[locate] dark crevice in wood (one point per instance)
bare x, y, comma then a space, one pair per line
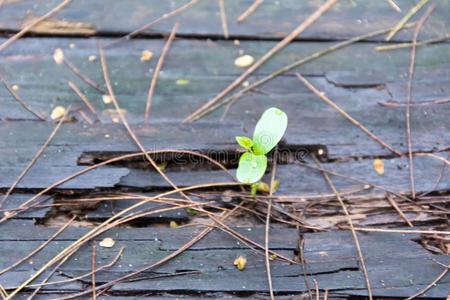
161, 35
287, 154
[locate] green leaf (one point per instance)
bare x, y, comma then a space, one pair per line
251, 167
269, 130
245, 142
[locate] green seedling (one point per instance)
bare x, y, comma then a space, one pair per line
268, 132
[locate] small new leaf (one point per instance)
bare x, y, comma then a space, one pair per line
270, 129
245, 142
251, 167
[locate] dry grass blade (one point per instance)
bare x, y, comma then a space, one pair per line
3, 292
157, 70
174, 254
406, 18
83, 98
94, 293
432, 284
64, 254
394, 205
39, 248
250, 10
266, 246
50, 274
301, 248
20, 100
35, 157
409, 45
438, 181
230, 100
393, 103
283, 43
109, 265
162, 18
403, 231
394, 6
127, 126
29, 203
350, 223
365, 182
29, 26
409, 96
223, 19
355, 122
434, 156
269, 211
77, 72
85, 117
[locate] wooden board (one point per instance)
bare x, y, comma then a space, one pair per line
345, 20
199, 64
330, 259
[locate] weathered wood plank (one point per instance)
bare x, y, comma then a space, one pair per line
331, 260
273, 19
15, 200
40, 178
356, 87
296, 178
107, 209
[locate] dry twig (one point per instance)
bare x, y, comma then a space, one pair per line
29, 26
409, 45
393, 103
394, 205
352, 229
406, 18
20, 100
39, 248
432, 284
355, 122
94, 293
162, 18
250, 10
223, 19
283, 43
409, 95
394, 6
232, 99
35, 158
83, 98
158, 70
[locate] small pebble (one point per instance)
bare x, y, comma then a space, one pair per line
146, 55
58, 56
58, 112
107, 243
244, 61
107, 99
378, 165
